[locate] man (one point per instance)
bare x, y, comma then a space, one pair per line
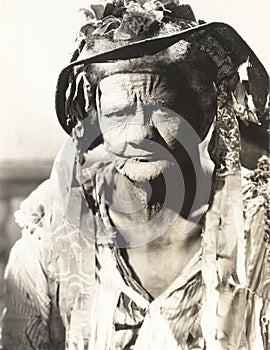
155, 247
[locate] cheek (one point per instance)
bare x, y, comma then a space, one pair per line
117, 133
113, 135
168, 127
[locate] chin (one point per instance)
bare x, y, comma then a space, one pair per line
141, 171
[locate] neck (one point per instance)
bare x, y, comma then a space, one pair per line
142, 211
166, 191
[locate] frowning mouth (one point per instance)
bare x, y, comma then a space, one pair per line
138, 152
139, 158
142, 159
146, 154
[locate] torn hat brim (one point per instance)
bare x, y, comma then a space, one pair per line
151, 46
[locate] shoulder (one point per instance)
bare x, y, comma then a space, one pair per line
26, 298
30, 215
26, 257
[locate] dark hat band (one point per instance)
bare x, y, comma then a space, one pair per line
152, 46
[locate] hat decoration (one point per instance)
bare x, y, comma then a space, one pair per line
136, 29
124, 20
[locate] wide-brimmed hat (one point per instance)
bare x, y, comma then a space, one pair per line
225, 48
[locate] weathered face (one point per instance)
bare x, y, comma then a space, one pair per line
140, 131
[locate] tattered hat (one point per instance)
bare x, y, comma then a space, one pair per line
122, 31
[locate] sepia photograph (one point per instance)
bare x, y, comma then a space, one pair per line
135, 175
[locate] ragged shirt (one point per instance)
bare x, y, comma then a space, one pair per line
55, 304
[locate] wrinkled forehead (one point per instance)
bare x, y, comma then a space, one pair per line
127, 88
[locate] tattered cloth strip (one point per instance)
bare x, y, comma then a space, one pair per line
223, 256
257, 229
107, 292
71, 273
69, 246
173, 318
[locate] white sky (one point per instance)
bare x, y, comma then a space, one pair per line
37, 36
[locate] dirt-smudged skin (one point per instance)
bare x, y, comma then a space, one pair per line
162, 245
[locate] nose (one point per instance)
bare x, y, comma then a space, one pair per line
141, 127
141, 115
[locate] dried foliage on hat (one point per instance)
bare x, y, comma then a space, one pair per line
163, 37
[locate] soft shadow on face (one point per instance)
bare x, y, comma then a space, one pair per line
142, 135
154, 145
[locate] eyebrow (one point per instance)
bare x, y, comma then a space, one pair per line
116, 110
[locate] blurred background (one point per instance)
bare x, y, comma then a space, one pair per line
37, 38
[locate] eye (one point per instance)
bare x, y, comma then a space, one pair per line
126, 112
